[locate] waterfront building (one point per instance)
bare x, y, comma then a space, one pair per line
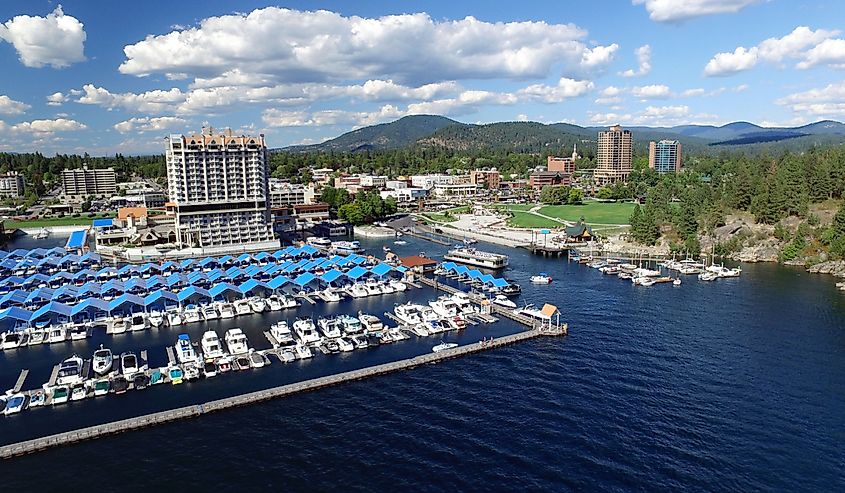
615, 155
11, 185
218, 187
80, 183
486, 178
664, 156
282, 193
311, 213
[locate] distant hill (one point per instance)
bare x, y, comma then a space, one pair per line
533, 137
394, 135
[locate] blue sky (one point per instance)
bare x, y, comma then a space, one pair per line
106, 77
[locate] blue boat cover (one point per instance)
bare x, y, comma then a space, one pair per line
304, 279
356, 272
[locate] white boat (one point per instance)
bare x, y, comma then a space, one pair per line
370, 323
400, 242
41, 234
531, 311
274, 304
386, 287
360, 341
349, 324
101, 387
174, 318
14, 404
409, 313
192, 314
185, 352
288, 301
722, 271
37, 398
345, 345
242, 307
357, 290
329, 295
128, 364
210, 344
330, 327
372, 287
305, 331
57, 333
192, 371
427, 314
256, 360
70, 371
465, 305
156, 318
224, 364
102, 361
210, 313
11, 340
503, 300
209, 369
37, 336
471, 256
319, 242
676, 282
236, 341
78, 392
226, 310
78, 332
346, 247
61, 394
281, 332
302, 351
541, 278
257, 305
138, 322
708, 276
444, 346
398, 286
444, 306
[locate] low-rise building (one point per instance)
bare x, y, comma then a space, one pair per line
11, 185
313, 213
429, 181
373, 181
444, 190
321, 175
405, 195
540, 179
282, 193
486, 178
396, 184
332, 228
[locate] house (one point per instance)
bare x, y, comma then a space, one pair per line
418, 264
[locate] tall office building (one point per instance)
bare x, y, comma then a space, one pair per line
11, 185
218, 187
615, 153
664, 156
82, 182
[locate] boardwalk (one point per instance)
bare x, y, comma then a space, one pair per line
91, 432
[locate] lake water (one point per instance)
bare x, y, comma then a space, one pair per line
735, 385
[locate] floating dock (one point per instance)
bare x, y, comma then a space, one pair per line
91, 432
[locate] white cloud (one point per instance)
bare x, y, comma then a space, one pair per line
9, 106
827, 102
679, 10
828, 52
659, 116
286, 45
48, 126
147, 124
522, 117
56, 99
156, 101
643, 54
565, 89
56, 40
775, 50
693, 92
653, 91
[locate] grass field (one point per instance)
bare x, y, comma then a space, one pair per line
593, 212
453, 213
528, 220
58, 221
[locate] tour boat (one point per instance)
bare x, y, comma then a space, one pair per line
78, 392
541, 278
503, 300
174, 318
330, 327
345, 345
128, 364
236, 341
257, 304
211, 348
102, 361
346, 247
444, 346
70, 371
139, 322
471, 256
370, 323
14, 404
11, 340
305, 331
192, 314
60, 394
226, 310
281, 332
210, 313
156, 318
242, 307
185, 352
101, 387
319, 242
274, 304
302, 351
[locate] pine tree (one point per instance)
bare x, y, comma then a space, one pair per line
792, 197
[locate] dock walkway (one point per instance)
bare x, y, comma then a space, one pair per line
91, 432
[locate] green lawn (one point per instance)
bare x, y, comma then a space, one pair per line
515, 207
528, 220
593, 212
58, 221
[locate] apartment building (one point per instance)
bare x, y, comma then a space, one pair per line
79, 183
615, 155
664, 156
11, 185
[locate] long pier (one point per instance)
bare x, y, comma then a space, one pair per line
102, 430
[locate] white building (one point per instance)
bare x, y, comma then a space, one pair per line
282, 193
395, 184
373, 181
429, 181
79, 183
218, 187
405, 195
11, 185
445, 190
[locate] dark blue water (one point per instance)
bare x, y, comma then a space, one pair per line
736, 385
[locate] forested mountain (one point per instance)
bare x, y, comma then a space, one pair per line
400, 133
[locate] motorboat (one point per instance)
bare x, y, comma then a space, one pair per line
319, 242
14, 404
129, 364
57, 333
331, 346
11, 340
288, 301
78, 392
226, 310
138, 322
350, 324
256, 360
360, 341
471, 256
211, 348
120, 384
174, 318
541, 278
513, 288
185, 352
456, 323
241, 362
400, 242
409, 313
102, 361
345, 345
210, 313
209, 369
37, 336
503, 300
192, 371
274, 304
101, 387
357, 290
192, 314
386, 288
465, 305
346, 247
722, 271
708, 276
156, 318
120, 324
676, 282
141, 381
78, 332
330, 327
533, 312
329, 295
397, 334
257, 305
289, 356
372, 287
444, 346
281, 332
60, 394
236, 341
224, 364
420, 330
176, 375
444, 306
397, 285
242, 307
37, 398
370, 323
305, 331
427, 314
302, 351
70, 371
